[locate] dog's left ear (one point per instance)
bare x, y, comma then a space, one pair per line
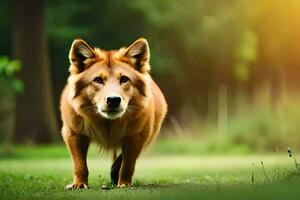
139, 54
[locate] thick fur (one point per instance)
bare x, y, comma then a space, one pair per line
143, 107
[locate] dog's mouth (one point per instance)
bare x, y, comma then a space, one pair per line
112, 113
112, 110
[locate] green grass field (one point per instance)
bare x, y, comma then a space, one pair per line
42, 173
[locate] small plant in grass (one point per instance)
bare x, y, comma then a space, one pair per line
265, 173
252, 174
291, 155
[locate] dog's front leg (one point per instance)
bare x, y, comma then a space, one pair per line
78, 146
131, 148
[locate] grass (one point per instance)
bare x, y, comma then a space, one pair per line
42, 173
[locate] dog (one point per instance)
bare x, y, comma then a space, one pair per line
110, 99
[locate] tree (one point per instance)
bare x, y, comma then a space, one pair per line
35, 116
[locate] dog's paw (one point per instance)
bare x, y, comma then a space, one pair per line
124, 185
73, 186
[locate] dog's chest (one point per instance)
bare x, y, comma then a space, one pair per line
106, 134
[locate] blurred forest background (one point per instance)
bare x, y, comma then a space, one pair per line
230, 69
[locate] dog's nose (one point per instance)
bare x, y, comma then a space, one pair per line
113, 101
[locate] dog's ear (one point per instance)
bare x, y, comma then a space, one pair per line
139, 55
80, 54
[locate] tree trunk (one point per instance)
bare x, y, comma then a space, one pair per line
35, 115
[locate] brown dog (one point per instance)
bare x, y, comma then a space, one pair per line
110, 98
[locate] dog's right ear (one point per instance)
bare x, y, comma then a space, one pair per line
80, 54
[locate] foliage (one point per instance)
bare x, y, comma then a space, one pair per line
9, 84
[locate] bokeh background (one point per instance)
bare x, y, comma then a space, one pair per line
229, 68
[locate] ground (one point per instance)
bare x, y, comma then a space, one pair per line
42, 173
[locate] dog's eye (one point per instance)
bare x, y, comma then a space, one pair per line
124, 79
98, 80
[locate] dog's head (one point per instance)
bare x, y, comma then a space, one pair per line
108, 83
